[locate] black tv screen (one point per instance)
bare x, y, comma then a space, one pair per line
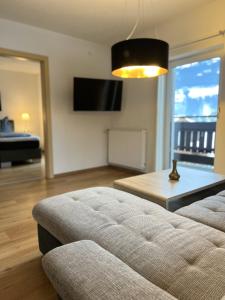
97, 94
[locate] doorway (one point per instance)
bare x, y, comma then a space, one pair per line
45, 95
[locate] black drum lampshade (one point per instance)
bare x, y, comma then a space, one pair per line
140, 58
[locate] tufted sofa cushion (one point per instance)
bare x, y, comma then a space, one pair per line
181, 256
209, 211
85, 271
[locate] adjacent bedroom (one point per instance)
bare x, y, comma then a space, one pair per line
21, 121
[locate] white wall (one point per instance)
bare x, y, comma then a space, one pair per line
79, 139
200, 22
20, 92
138, 102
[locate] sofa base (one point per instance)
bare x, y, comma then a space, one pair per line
46, 240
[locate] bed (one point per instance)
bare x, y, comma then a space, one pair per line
17, 147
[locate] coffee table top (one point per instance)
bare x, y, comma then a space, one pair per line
158, 185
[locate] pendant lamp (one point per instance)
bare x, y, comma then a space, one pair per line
140, 58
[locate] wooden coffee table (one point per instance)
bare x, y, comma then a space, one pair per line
193, 185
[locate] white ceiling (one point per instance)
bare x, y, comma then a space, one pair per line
17, 64
104, 21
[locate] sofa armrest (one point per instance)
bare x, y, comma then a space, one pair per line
83, 270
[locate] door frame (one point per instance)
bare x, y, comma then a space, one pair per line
46, 105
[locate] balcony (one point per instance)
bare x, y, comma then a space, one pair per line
194, 142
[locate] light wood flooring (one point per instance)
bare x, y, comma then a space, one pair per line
21, 275
22, 173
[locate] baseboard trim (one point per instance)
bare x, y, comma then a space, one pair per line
138, 171
122, 168
105, 167
83, 171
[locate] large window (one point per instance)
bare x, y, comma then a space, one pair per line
196, 90
195, 107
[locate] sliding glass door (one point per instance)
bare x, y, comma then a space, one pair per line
194, 91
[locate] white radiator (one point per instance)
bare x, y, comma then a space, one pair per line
127, 148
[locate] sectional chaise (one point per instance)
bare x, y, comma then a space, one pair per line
109, 244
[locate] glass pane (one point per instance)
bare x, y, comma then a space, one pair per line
196, 88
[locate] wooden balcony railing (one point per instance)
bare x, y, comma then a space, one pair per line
195, 142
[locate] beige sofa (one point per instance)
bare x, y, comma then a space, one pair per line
209, 211
84, 270
178, 256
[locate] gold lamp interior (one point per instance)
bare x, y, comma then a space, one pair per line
139, 71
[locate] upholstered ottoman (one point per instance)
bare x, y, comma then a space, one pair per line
181, 256
85, 271
209, 211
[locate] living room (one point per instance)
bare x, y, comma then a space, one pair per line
76, 39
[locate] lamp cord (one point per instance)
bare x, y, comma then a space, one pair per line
154, 24
137, 21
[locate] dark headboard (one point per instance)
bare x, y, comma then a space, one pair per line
11, 122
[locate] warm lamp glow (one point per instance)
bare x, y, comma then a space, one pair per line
139, 72
25, 117
140, 58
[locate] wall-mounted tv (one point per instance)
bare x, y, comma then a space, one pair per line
97, 94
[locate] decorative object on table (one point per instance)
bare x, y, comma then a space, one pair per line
26, 118
140, 57
174, 175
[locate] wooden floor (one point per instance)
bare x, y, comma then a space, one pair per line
21, 275
22, 173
